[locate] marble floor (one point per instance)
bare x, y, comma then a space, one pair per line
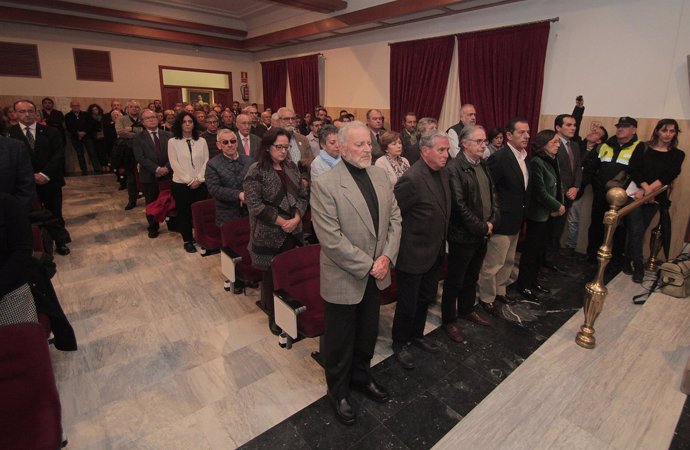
167, 359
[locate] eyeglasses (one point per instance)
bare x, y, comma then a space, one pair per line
226, 142
478, 141
281, 147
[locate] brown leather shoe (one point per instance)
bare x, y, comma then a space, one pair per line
453, 332
477, 318
490, 308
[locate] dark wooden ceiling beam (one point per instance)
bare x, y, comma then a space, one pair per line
321, 6
54, 20
142, 17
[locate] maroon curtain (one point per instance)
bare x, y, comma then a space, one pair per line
502, 73
274, 75
304, 83
419, 73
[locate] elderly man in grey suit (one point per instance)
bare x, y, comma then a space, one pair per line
150, 149
248, 143
358, 222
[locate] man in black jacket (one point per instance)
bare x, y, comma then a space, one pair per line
423, 196
508, 168
474, 214
81, 126
47, 159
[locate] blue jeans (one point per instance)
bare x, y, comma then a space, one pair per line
637, 222
574, 223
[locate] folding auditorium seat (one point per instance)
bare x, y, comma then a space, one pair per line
30, 413
298, 303
235, 262
206, 233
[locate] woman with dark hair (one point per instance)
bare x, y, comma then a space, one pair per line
98, 138
392, 161
277, 200
188, 156
544, 203
657, 166
495, 138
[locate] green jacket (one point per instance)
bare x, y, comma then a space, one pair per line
545, 195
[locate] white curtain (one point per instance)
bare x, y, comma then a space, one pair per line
450, 112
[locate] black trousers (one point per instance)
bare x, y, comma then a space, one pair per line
415, 293
86, 143
50, 196
460, 286
534, 251
184, 196
132, 190
349, 341
151, 192
595, 233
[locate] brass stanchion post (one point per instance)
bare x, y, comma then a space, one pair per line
654, 247
595, 291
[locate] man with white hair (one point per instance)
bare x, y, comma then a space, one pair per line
468, 116
358, 222
300, 150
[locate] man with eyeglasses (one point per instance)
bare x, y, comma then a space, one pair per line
253, 113
150, 149
47, 153
224, 175
300, 150
211, 134
248, 143
508, 169
474, 213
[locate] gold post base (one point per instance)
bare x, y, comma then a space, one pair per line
585, 338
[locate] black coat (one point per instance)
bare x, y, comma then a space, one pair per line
425, 216
48, 155
467, 225
16, 173
145, 154
510, 190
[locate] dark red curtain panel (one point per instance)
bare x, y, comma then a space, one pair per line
419, 73
304, 83
502, 73
274, 75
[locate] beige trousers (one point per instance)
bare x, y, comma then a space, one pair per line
498, 266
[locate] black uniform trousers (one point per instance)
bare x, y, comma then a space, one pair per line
534, 251
349, 341
415, 293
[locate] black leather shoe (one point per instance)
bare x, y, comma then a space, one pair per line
404, 356
153, 234
638, 273
425, 344
373, 390
477, 318
553, 267
490, 308
130, 205
189, 247
529, 294
505, 299
62, 249
627, 267
343, 410
275, 329
539, 288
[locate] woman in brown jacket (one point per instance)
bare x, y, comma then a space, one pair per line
276, 200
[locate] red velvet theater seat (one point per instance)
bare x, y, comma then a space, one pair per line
296, 283
30, 414
206, 233
236, 264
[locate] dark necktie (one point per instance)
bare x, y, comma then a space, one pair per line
30, 138
157, 145
570, 156
189, 144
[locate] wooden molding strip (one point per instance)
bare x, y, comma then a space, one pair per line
150, 18
321, 6
54, 20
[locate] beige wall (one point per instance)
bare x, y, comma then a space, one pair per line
134, 62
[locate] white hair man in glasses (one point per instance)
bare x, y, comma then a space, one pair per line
224, 175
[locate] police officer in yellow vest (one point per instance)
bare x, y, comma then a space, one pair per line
613, 157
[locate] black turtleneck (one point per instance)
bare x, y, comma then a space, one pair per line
368, 192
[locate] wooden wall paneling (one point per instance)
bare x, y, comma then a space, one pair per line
19, 60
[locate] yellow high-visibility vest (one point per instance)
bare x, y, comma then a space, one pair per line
607, 153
